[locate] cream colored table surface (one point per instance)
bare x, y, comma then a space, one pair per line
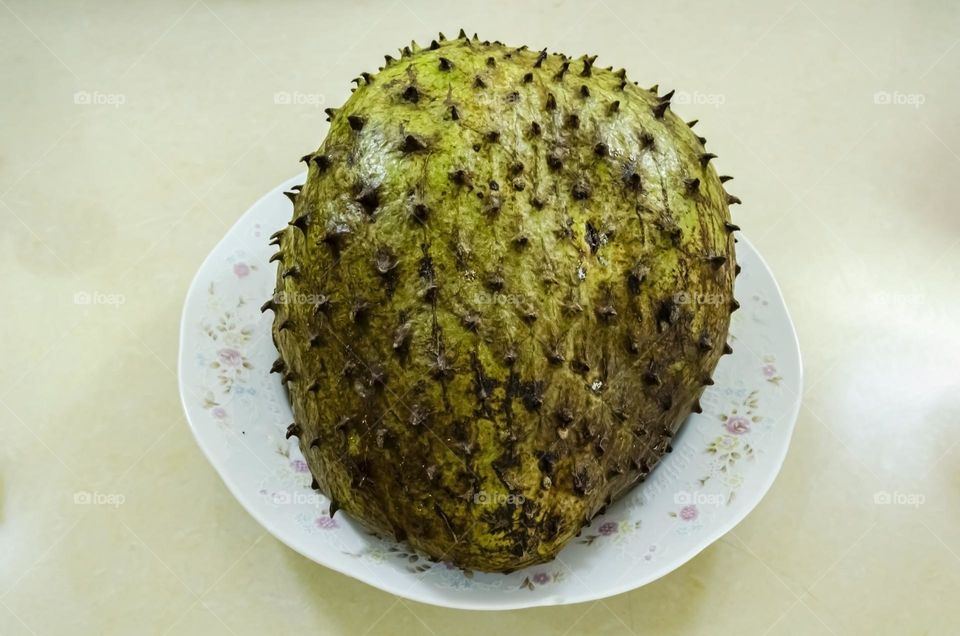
133, 134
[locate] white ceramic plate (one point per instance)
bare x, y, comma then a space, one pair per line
724, 460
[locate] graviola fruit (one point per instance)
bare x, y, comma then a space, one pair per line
508, 278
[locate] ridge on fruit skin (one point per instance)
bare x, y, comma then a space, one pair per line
499, 246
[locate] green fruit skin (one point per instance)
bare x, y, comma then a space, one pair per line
491, 327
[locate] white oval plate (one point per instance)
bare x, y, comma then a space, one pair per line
723, 462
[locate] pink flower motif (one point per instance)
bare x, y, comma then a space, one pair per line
230, 357
769, 370
541, 577
219, 412
689, 513
326, 523
299, 466
242, 270
608, 528
737, 425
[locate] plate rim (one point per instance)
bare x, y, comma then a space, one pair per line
463, 602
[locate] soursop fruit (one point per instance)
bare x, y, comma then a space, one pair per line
508, 278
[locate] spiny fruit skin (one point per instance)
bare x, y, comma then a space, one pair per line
508, 277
